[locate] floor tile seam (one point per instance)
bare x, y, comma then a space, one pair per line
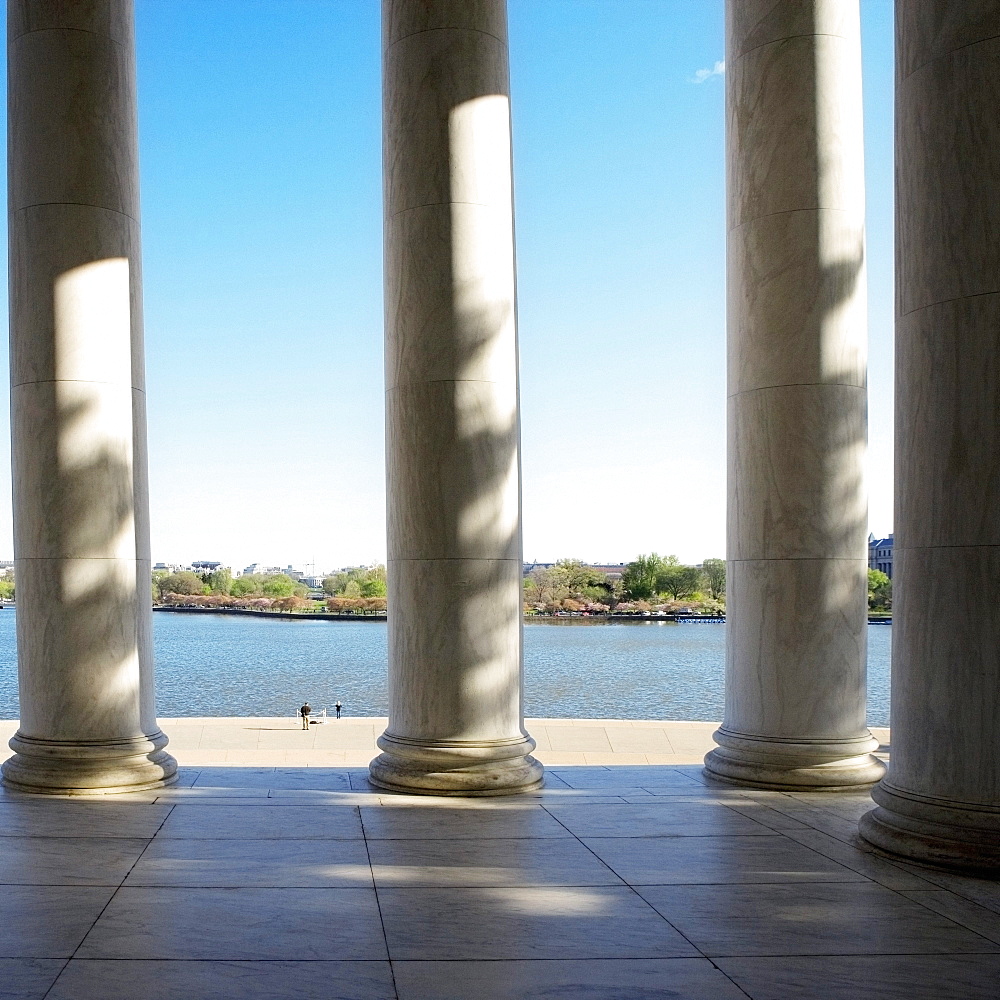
868, 854
66, 836
632, 889
954, 920
850, 954
723, 972
281, 840
104, 908
378, 907
288, 888
52, 986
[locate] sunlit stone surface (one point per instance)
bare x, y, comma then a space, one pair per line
797, 509
81, 534
941, 798
452, 432
280, 881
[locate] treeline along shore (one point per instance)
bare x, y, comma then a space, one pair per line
651, 587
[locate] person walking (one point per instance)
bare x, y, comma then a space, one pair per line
337, 707
304, 712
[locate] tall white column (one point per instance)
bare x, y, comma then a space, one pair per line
81, 533
797, 507
940, 801
452, 424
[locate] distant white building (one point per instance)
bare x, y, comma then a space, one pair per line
880, 554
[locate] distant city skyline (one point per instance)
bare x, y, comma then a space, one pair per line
262, 227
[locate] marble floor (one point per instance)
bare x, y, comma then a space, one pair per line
627, 882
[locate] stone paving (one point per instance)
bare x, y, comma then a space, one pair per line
614, 882
350, 742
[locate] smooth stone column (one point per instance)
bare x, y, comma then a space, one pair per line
940, 801
81, 532
797, 508
452, 426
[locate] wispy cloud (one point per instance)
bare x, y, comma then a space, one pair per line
719, 69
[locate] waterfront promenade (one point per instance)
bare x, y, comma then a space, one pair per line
350, 742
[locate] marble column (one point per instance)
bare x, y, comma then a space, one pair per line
797, 507
81, 533
940, 801
452, 426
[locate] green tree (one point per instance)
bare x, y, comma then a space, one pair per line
582, 581
639, 580
715, 577
333, 585
373, 587
278, 585
185, 582
879, 591
220, 581
678, 581
6, 590
159, 575
245, 586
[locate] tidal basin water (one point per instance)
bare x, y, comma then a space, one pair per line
212, 665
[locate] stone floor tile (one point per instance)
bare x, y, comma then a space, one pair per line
207, 789
616, 757
716, 860
602, 979
67, 860
316, 778
44, 817
633, 740
977, 918
644, 776
475, 821
261, 924
235, 777
818, 919
263, 822
764, 814
43, 921
523, 862
860, 858
872, 977
673, 817
985, 892
560, 758
585, 739
27, 978
262, 863
552, 780
551, 922
95, 979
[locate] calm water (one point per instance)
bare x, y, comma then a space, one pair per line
222, 665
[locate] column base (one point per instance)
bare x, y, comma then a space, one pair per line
934, 831
802, 765
56, 767
500, 767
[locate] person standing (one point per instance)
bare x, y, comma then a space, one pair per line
337, 707
304, 712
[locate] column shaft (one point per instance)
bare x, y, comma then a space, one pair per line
797, 507
940, 801
452, 425
81, 533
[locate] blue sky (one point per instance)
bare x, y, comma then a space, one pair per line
260, 146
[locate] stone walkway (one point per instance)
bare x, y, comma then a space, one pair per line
614, 882
350, 742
